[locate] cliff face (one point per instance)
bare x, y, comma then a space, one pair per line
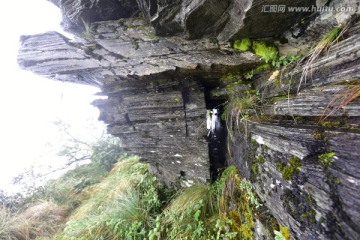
299, 145
156, 102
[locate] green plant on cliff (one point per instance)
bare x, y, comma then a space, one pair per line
246, 185
235, 203
88, 30
326, 159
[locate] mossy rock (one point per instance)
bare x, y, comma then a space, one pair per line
289, 170
266, 51
243, 44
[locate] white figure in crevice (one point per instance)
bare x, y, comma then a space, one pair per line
213, 122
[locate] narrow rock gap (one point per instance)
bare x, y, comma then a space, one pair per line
216, 136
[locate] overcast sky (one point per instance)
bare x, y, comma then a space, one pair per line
30, 104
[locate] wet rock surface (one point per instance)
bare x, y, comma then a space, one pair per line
78, 13
299, 147
155, 98
303, 154
223, 20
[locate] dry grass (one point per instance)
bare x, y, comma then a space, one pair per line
110, 188
340, 100
326, 42
189, 196
41, 219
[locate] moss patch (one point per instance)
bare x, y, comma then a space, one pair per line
283, 234
326, 159
329, 124
243, 44
266, 51
288, 170
255, 165
238, 203
301, 205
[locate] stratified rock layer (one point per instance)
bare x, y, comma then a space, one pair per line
157, 89
317, 127
78, 13
155, 98
224, 20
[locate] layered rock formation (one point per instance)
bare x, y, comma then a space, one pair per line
303, 153
300, 147
156, 101
223, 20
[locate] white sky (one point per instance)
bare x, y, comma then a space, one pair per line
30, 104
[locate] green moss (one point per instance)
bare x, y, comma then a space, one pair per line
255, 164
239, 194
330, 124
263, 67
326, 159
295, 162
243, 44
255, 169
266, 51
283, 234
285, 231
317, 135
231, 78
288, 171
260, 159
280, 166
